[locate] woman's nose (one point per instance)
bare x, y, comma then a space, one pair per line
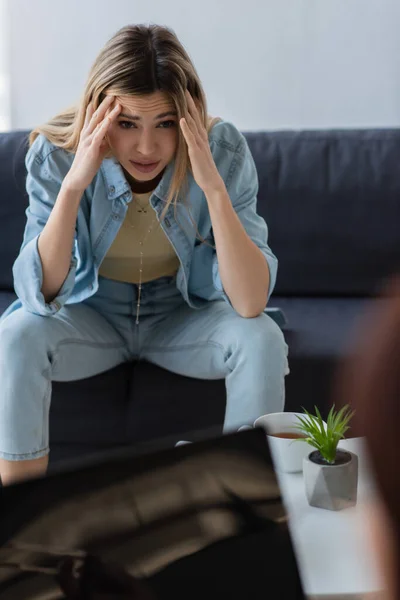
146, 145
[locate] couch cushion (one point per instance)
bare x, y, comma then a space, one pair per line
6, 298
319, 333
163, 403
92, 410
133, 402
320, 327
332, 203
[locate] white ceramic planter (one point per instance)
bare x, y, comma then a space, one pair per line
332, 487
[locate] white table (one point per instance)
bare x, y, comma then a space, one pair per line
332, 548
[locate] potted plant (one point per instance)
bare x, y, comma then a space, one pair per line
330, 475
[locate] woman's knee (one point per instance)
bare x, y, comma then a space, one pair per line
260, 332
261, 341
21, 332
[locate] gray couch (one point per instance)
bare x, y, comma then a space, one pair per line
332, 203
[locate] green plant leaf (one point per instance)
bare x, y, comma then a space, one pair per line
325, 440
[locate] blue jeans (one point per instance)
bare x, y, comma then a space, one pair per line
82, 340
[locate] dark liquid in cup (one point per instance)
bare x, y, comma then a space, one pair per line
288, 436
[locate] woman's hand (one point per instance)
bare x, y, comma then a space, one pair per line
204, 168
92, 146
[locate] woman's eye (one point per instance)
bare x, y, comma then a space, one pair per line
167, 124
123, 123
131, 125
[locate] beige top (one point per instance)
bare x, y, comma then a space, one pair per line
122, 261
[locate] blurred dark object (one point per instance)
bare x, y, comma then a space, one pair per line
332, 203
369, 381
93, 579
204, 519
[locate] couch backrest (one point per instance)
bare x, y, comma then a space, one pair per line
332, 203
13, 201
331, 200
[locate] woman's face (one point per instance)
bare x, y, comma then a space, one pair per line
144, 136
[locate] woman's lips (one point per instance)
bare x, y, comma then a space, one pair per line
145, 168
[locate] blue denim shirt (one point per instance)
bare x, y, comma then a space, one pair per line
103, 207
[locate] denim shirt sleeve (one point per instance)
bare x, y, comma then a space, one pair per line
242, 187
43, 183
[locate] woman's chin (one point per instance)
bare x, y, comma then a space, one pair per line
142, 177
143, 182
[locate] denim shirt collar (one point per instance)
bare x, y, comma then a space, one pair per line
117, 184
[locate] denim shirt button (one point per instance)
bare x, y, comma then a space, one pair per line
111, 189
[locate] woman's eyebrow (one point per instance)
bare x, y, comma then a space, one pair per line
170, 113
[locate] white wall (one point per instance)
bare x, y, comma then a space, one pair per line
264, 63
5, 123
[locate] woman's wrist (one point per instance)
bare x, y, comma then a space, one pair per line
69, 185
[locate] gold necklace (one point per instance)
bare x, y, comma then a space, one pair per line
140, 208
141, 244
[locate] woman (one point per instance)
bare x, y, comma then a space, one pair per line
142, 241
370, 381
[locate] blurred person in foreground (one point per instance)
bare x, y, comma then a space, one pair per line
370, 383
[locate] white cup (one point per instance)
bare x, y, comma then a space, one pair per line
287, 454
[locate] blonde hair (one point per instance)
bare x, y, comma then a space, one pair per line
137, 60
